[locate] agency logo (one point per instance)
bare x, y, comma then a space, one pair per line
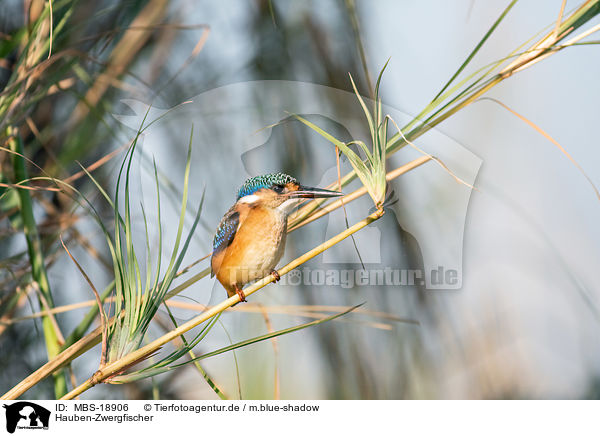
26, 415
244, 129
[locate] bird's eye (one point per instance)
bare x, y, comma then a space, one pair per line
278, 188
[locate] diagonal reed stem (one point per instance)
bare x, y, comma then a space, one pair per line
77, 348
140, 354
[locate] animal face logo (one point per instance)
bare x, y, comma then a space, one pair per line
26, 415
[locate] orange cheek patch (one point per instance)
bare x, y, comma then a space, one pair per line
292, 187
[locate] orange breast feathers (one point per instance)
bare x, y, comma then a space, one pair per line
257, 247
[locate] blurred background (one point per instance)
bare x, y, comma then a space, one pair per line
523, 323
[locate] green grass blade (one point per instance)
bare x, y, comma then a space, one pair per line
368, 115
36, 258
273, 335
190, 351
150, 372
355, 160
186, 179
159, 227
477, 47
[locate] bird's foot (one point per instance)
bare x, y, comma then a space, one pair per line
275, 275
241, 295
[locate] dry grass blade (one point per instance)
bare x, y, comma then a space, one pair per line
300, 310
438, 161
28, 188
549, 138
98, 163
559, 19
50, 17
122, 55
103, 320
89, 247
6, 321
22, 156
196, 50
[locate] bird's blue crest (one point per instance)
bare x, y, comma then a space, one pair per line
253, 184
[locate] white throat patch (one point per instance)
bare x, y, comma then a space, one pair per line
249, 199
287, 206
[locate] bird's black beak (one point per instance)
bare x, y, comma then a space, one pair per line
308, 192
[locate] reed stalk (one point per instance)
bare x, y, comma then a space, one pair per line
142, 353
52, 335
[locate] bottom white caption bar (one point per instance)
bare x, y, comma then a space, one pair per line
300, 417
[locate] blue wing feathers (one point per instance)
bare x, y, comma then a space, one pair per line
226, 231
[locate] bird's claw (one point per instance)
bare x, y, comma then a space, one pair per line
241, 295
275, 275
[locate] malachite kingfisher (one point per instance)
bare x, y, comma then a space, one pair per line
250, 239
